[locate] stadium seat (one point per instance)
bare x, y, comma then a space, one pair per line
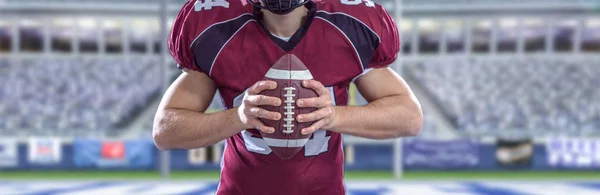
536, 94
75, 93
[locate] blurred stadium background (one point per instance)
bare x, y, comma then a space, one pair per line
510, 91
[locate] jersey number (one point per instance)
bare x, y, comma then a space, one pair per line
368, 3
319, 143
209, 4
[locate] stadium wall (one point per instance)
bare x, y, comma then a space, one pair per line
84, 154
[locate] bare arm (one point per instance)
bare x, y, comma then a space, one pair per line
393, 110
180, 121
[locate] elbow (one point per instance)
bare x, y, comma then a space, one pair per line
403, 125
410, 127
160, 136
161, 145
406, 131
415, 127
160, 141
415, 124
401, 129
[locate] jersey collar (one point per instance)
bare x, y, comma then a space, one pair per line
298, 35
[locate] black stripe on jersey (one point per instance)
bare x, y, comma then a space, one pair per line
364, 40
210, 42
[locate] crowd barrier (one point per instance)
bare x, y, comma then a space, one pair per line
463, 154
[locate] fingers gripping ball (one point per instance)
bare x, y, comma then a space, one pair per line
288, 72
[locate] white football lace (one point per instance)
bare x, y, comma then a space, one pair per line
289, 110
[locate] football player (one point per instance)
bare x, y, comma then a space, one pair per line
229, 45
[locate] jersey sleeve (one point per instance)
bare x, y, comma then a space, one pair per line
196, 25
179, 40
389, 46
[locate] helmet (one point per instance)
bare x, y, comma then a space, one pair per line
279, 6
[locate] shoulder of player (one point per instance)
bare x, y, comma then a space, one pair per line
366, 11
204, 13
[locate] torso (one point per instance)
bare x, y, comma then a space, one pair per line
336, 47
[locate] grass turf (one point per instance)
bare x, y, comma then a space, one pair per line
350, 175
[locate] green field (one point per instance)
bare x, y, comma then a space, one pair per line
350, 175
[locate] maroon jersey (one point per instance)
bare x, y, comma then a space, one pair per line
225, 39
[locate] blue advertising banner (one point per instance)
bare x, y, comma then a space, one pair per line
440, 154
573, 153
135, 154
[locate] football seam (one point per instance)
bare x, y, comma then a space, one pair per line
290, 107
289, 110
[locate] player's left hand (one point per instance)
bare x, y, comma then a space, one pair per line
324, 116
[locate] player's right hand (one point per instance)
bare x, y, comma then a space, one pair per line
250, 112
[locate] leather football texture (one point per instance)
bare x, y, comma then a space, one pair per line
287, 140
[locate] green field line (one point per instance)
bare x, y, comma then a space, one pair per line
350, 175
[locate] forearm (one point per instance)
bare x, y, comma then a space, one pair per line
184, 129
389, 117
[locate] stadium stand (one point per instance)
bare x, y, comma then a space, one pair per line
71, 96
114, 2
542, 95
3, 66
446, 2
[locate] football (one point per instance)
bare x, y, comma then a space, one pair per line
288, 72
